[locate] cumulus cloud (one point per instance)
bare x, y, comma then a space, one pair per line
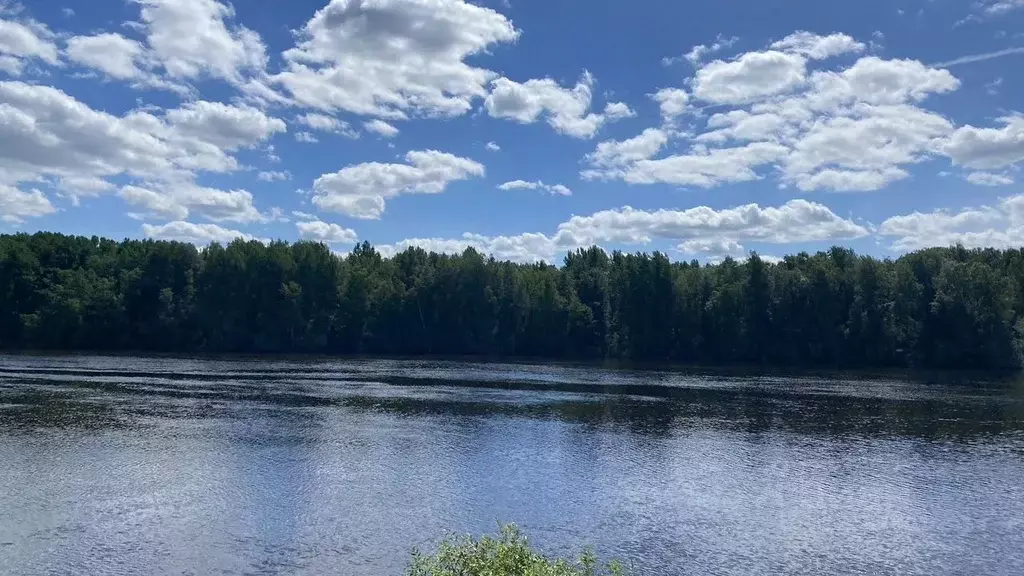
16, 205
112, 54
702, 168
381, 127
672, 101
613, 155
999, 226
228, 127
77, 187
360, 191
989, 179
328, 233
179, 200
750, 77
743, 126
876, 81
274, 176
698, 229
155, 204
325, 123
120, 58
49, 134
863, 151
525, 248
393, 59
192, 38
493, 147
306, 138
855, 128
25, 41
565, 109
818, 47
554, 190
198, 234
697, 54
712, 248
987, 148
794, 221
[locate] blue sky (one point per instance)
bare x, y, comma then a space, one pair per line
523, 129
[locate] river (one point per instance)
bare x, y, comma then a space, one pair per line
115, 465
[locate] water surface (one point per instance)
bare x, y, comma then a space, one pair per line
170, 466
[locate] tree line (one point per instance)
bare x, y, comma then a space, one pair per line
935, 308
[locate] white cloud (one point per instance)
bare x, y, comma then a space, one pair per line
77, 187
16, 205
697, 53
198, 234
112, 54
794, 221
322, 122
190, 38
1000, 7
987, 148
525, 248
10, 65
49, 132
394, 58
742, 126
618, 154
26, 40
228, 127
565, 109
381, 127
360, 191
701, 167
818, 47
876, 81
750, 77
712, 248
672, 101
325, 123
972, 58
841, 180
695, 228
852, 129
328, 233
274, 176
157, 205
493, 147
46, 133
989, 179
121, 58
863, 152
1001, 226
178, 201
306, 137
554, 190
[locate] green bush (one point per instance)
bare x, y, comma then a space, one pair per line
507, 554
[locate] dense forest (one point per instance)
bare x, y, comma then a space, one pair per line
936, 308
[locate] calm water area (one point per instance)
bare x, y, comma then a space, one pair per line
114, 465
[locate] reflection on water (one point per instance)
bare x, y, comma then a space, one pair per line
172, 466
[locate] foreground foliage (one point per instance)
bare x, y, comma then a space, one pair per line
508, 554
939, 308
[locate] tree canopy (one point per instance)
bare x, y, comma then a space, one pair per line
936, 308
